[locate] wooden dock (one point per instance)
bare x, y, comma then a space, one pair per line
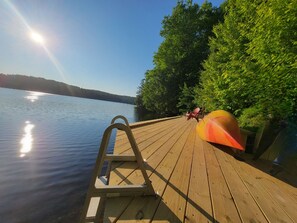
195, 181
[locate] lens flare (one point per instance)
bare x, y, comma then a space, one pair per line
36, 37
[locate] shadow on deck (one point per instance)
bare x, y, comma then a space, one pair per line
196, 181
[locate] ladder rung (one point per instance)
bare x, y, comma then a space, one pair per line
112, 157
93, 206
119, 190
100, 189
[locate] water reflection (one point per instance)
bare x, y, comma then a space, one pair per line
27, 139
33, 95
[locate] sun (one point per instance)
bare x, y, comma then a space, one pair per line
36, 37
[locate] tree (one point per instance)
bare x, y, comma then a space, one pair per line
179, 57
273, 47
186, 100
251, 70
139, 97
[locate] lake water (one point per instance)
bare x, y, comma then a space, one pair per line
48, 147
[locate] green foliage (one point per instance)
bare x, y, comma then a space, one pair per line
251, 70
186, 100
139, 97
252, 117
154, 92
274, 48
178, 61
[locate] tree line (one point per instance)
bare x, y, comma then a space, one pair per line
54, 87
240, 57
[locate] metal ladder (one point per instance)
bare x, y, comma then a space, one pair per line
100, 189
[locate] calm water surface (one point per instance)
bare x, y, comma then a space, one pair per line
48, 147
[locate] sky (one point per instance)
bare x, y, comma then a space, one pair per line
93, 44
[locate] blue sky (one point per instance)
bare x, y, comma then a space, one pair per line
94, 44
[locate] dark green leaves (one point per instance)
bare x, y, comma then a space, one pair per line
178, 61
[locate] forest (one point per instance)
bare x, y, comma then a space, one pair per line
240, 57
23, 82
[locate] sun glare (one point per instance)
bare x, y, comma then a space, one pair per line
36, 37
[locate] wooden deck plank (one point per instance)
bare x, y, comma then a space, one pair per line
195, 181
111, 213
224, 208
173, 205
280, 191
244, 201
271, 208
145, 207
151, 135
138, 133
262, 167
199, 207
145, 137
156, 159
148, 151
285, 200
153, 121
147, 148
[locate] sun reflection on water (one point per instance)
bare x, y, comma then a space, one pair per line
27, 139
34, 95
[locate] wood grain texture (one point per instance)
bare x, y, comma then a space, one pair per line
195, 181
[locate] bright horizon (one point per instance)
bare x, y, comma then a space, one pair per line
106, 46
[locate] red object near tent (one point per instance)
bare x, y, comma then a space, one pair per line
193, 114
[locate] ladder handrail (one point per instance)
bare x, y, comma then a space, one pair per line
101, 157
120, 117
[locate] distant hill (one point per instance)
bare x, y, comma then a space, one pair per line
54, 87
